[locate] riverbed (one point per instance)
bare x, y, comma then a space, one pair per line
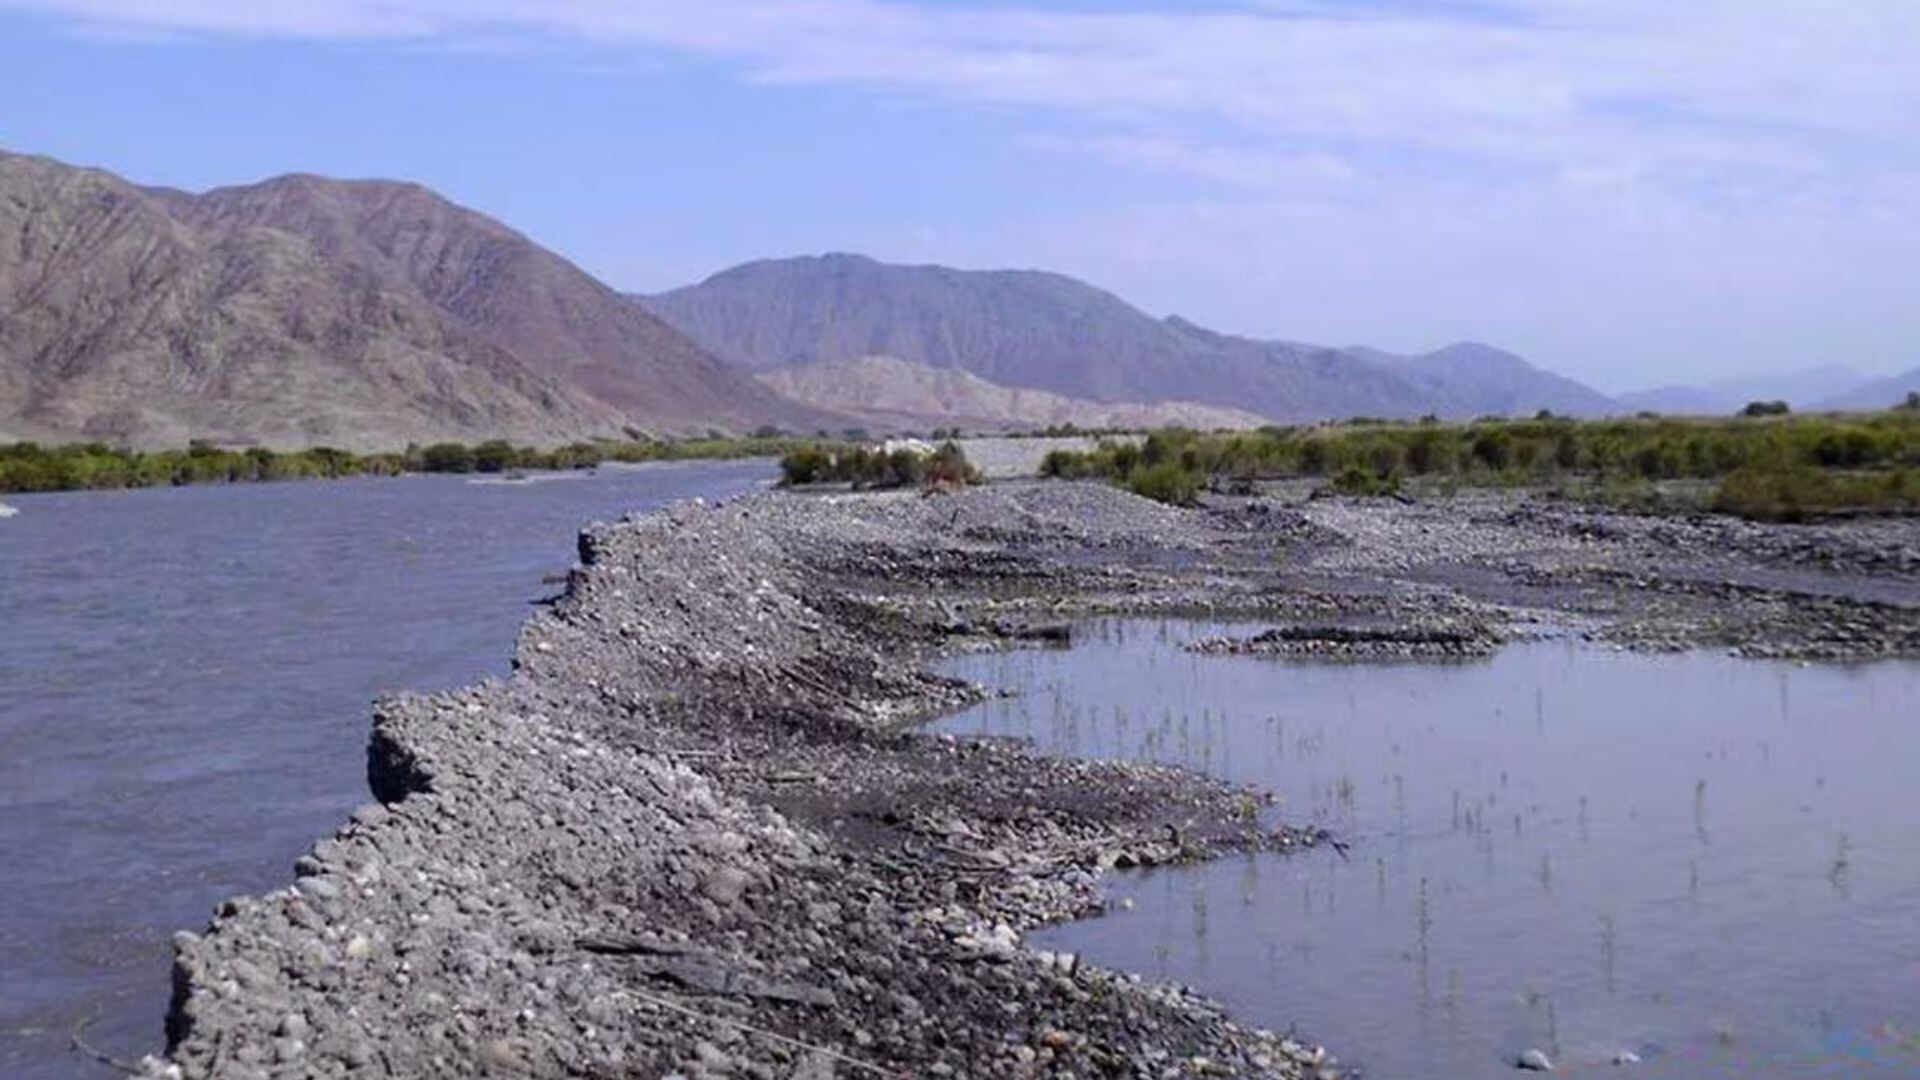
185, 679
1698, 864
690, 834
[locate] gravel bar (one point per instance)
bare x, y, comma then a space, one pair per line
698, 832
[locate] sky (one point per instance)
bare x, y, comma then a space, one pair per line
1631, 192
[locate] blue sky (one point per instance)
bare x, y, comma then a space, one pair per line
1630, 191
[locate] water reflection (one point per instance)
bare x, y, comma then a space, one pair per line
1702, 862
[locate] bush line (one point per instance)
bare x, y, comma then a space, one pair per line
877, 467
30, 467
1765, 466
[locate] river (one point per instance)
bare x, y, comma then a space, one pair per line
185, 681
1708, 864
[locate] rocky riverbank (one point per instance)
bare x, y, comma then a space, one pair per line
697, 832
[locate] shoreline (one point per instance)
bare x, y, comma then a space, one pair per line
726, 837
719, 807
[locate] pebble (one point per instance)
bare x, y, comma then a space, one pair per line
1534, 1059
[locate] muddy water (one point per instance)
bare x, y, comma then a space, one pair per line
1710, 864
185, 678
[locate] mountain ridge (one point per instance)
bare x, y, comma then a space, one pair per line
896, 394
1046, 331
303, 310
1804, 388
1882, 393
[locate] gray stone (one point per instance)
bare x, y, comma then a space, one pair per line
725, 885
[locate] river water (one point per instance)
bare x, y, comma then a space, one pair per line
185, 681
1708, 863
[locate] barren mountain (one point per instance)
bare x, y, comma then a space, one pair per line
1471, 379
1049, 332
889, 393
1801, 389
1877, 394
301, 310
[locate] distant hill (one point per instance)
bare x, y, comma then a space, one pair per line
1801, 389
1023, 328
1877, 394
364, 314
1471, 379
888, 393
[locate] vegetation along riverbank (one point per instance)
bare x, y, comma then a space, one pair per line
1763, 467
31, 467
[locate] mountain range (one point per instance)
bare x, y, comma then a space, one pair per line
1804, 389
368, 314
1875, 393
890, 393
302, 311
1025, 328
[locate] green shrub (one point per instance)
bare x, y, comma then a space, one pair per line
1166, 482
1566, 451
901, 468
1315, 456
1848, 448
448, 458
1617, 453
1354, 480
806, 465
1384, 458
863, 467
949, 467
1493, 448
1064, 465
1804, 494
1431, 451
493, 456
31, 467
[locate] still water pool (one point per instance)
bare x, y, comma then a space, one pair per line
185, 679
1708, 863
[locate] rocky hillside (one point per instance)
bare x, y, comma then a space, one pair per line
888, 393
1049, 332
364, 314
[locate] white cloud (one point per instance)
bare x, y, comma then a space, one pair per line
1834, 65
1552, 82
1242, 166
1705, 164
